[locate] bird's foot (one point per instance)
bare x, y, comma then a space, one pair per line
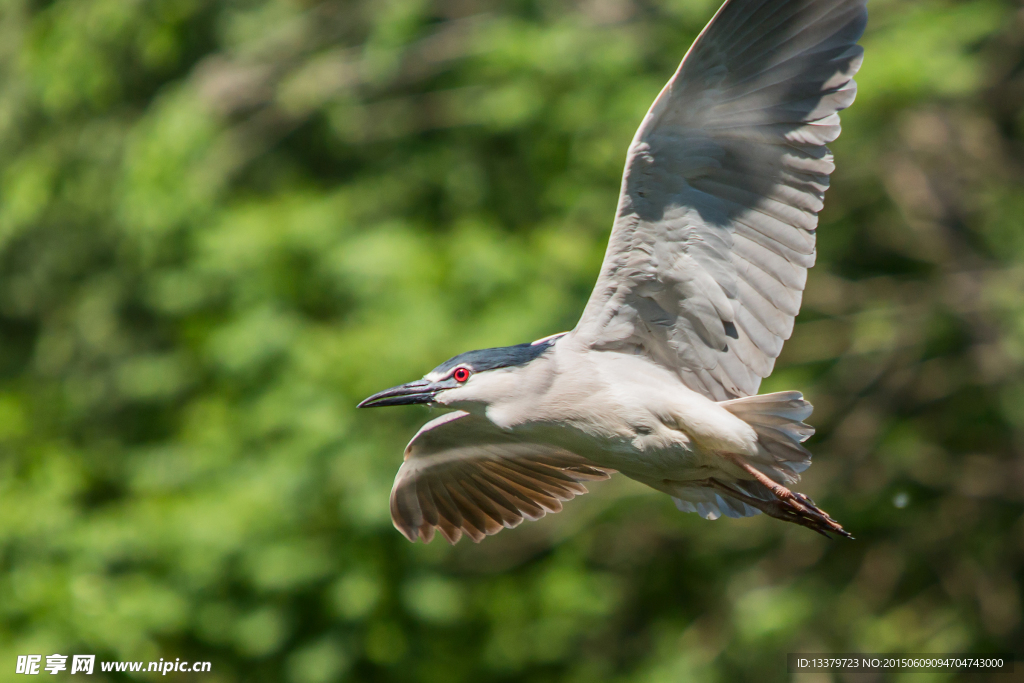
788, 506
798, 508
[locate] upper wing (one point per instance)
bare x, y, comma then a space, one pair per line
716, 222
463, 474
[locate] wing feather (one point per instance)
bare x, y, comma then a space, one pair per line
723, 183
776, 266
464, 476
784, 299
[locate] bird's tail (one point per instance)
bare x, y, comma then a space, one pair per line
778, 421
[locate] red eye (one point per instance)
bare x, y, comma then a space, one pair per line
460, 374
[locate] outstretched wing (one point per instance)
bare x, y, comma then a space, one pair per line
715, 227
462, 474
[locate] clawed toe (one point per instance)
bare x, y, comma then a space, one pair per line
810, 515
806, 500
789, 506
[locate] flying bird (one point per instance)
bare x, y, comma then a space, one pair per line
703, 276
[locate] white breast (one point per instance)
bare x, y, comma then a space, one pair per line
622, 411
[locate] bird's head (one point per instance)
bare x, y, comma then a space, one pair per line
480, 377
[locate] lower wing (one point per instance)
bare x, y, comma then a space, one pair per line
462, 474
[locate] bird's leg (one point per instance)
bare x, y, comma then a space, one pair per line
773, 508
789, 506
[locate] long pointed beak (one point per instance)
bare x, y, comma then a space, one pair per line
420, 391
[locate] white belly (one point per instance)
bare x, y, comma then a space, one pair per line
626, 413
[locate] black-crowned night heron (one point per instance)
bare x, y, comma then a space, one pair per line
705, 268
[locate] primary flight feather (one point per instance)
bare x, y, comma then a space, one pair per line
704, 274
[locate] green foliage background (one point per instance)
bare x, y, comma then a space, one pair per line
224, 223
